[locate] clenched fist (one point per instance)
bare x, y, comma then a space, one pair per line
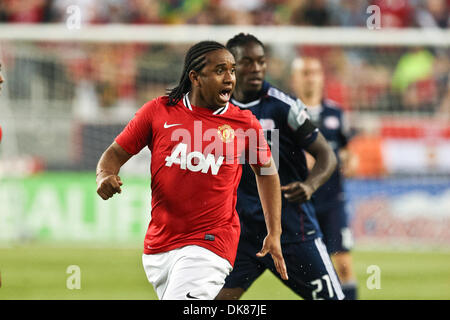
108, 185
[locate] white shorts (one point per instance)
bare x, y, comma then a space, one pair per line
190, 272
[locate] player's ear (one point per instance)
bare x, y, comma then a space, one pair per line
195, 78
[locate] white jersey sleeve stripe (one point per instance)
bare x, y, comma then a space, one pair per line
329, 266
297, 112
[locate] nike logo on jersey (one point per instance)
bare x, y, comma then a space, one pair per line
171, 125
188, 295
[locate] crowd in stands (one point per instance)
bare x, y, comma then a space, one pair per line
107, 80
345, 13
378, 79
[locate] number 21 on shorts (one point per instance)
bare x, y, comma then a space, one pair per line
319, 287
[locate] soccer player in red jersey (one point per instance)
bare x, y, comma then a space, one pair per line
198, 140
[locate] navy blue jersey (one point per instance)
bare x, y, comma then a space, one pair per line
328, 117
283, 119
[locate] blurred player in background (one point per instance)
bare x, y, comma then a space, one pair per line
329, 201
311, 274
192, 237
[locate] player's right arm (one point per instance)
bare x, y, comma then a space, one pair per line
135, 136
108, 180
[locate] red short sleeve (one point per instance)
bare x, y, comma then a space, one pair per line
138, 132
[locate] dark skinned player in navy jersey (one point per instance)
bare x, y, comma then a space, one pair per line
289, 132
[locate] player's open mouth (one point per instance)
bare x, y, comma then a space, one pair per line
225, 95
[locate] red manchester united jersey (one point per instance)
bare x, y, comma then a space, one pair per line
195, 170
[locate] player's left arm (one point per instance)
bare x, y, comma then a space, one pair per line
325, 162
268, 183
348, 163
308, 137
324, 165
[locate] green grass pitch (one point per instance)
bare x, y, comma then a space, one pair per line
41, 273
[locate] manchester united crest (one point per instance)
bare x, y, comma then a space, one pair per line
225, 133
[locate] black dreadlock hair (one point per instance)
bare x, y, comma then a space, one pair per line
242, 39
194, 60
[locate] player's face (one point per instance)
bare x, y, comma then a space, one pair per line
217, 79
250, 67
309, 78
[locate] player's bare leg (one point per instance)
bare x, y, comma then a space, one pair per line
230, 294
343, 263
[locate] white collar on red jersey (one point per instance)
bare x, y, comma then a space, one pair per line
188, 105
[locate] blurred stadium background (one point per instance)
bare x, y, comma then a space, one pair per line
68, 91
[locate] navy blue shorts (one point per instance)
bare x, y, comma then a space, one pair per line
337, 235
311, 273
